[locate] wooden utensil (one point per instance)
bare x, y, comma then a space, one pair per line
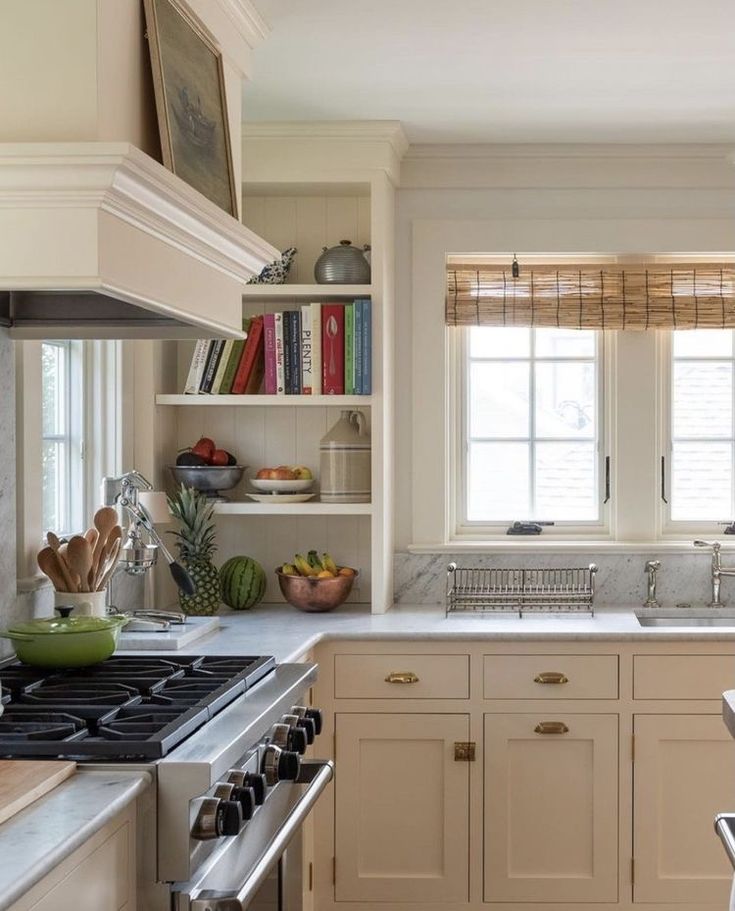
70, 584
101, 568
49, 564
79, 558
112, 563
61, 554
105, 520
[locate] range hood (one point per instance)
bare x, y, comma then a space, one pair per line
101, 241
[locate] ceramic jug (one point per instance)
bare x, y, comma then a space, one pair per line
345, 460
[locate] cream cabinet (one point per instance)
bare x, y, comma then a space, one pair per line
401, 808
684, 772
99, 876
551, 808
598, 769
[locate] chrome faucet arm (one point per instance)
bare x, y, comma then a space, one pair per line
651, 568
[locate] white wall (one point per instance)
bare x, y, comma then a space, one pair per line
616, 199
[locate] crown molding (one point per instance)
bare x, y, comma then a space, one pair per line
550, 151
389, 131
247, 20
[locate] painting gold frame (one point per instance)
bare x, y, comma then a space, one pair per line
191, 103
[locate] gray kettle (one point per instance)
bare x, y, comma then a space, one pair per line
342, 265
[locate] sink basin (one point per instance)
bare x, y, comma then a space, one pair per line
686, 617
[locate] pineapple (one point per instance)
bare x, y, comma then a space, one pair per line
195, 542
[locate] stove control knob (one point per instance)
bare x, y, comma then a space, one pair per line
217, 817
253, 780
279, 735
307, 724
246, 798
289, 766
314, 714
297, 740
229, 817
257, 783
280, 765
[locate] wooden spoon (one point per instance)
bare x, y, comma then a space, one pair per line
102, 566
60, 550
105, 520
48, 563
75, 580
112, 563
79, 557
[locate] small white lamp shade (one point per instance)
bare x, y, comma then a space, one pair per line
156, 505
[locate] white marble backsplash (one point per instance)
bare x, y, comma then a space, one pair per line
621, 578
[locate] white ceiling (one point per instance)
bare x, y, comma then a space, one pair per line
513, 71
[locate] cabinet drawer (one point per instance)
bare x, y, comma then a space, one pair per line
412, 676
550, 676
682, 676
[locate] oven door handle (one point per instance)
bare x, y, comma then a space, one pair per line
318, 775
725, 828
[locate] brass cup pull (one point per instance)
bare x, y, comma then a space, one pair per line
551, 727
551, 677
402, 677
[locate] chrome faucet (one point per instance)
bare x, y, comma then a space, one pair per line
718, 571
651, 567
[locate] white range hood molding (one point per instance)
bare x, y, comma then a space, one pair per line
99, 240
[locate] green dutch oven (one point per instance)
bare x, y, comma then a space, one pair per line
65, 641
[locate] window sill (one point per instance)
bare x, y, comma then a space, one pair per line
534, 546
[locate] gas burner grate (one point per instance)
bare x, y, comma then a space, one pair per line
125, 708
21, 725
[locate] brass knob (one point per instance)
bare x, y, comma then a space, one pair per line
551, 727
402, 677
551, 677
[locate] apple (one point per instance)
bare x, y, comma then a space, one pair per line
302, 473
283, 473
219, 457
264, 474
204, 448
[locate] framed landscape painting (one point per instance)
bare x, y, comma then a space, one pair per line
189, 87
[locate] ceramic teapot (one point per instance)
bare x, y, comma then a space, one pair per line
342, 265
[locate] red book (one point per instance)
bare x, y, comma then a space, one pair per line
249, 357
333, 349
269, 341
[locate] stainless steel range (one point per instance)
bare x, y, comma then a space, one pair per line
225, 739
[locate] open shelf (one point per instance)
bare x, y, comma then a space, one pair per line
306, 292
267, 401
252, 508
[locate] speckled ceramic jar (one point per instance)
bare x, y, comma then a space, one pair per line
345, 460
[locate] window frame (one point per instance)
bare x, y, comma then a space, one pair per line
461, 529
669, 528
73, 436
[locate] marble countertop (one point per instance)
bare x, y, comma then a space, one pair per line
286, 633
38, 838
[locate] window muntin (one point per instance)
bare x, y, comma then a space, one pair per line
702, 428
62, 401
531, 426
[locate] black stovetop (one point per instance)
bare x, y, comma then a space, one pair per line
125, 708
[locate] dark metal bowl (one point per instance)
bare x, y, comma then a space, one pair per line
313, 595
210, 479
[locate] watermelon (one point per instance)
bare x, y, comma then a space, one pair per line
242, 580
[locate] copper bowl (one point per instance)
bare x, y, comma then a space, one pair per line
313, 595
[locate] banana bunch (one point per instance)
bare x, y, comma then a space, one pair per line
315, 566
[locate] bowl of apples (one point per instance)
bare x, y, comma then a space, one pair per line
207, 468
284, 479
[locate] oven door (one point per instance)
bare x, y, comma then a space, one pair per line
256, 868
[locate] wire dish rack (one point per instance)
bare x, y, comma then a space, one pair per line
535, 591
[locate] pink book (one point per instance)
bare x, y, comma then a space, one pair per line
269, 336
333, 349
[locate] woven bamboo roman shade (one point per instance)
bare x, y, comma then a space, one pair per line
609, 296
